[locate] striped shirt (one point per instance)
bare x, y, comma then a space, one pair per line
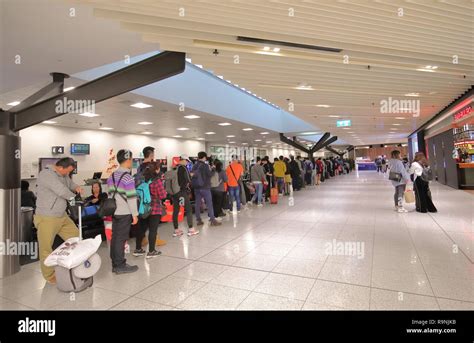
126, 197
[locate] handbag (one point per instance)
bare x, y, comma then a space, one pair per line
393, 176
409, 196
109, 205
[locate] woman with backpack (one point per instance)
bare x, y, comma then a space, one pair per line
150, 213
218, 178
419, 169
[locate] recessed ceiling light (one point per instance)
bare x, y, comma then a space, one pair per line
232, 142
182, 129
68, 89
426, 70
192, 116
145, 123
225, 124
412, 94
333, 116
49, 122
141, 105
265, 133
247, 129
89, 114
324, 106
200, 139
245, 143
258, 140
147, 132
266, 48
230, 136
397, 124
276, 49
177, 136
309, 133
106, 128
210, 133
268, 142
304, 88
401, 118
14, 103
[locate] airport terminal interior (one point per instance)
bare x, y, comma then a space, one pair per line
349, 125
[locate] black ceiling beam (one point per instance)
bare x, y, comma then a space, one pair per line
329, 141
140, 74
334, 151
288, 44
294, 144
321, 141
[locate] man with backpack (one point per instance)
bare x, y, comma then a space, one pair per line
122, 188
201, 180
177, 182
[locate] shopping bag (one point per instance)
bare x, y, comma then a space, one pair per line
409, 196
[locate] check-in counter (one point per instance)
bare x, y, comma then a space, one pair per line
466, 175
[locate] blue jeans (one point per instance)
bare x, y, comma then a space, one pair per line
234, 193
199, 194
258, 192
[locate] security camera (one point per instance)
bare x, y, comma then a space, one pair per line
215, 52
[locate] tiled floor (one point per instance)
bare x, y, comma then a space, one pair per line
294, 257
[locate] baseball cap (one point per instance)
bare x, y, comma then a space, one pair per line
184, 157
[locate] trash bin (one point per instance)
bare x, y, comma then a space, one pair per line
26, 233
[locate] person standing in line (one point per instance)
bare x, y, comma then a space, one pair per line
218, 192
126, 214
268, 167
378, 164
314, 171
28, 198
320, 170
288, 179
257, 177
55, 188
295, 173
150, 223
234, 172
201, 181
183, 198
424, 202
396, 166
279, 171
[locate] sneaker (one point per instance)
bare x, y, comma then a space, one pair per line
260, 205
125, 269
52, 280
215, 223
153, 253
192, 231
139, 252
199, 223
178, 233
402, 210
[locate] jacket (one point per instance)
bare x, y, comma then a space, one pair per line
397, 166
237, 169
205, 171
257, 173
416, 169
54, 191
126, 198
222, 179
279, 169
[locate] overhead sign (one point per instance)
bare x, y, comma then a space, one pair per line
57, 150
465, 112
343, 123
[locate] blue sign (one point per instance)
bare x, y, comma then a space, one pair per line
343, 123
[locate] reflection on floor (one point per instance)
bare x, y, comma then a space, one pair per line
336, 246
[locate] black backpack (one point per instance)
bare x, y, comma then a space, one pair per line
427, 174
109, 205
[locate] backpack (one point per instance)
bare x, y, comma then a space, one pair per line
427, 174
109, 205
171, 181
144, 199
215, 181
197, 180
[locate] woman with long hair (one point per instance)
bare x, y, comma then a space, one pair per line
218, 191
397, 169
424, 203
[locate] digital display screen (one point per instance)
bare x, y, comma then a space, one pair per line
80, 149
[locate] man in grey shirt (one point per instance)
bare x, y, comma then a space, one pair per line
54, 189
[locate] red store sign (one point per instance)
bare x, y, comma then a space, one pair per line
466, 111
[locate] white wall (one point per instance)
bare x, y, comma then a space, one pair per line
38, 140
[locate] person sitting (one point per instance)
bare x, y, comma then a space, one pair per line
97, 196
28, 198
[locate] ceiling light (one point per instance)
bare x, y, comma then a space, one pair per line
245, 143
182, 129
276, 49
49, 122
225, 124
247, 129
397, 124
268, 142
412, 94
309, 133
145, 123
304, 88
106, 128
147, 132
232, 142
14, 103
266, 48
230, 136
68, 89
177, 136
401, 118
210, 133
89, 114
258, 140
324, 106
192, 116
427, 70
141, 105
265, 133
200, 139
333, 116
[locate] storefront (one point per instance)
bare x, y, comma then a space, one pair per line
449, 143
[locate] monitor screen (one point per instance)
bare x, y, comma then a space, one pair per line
80, 149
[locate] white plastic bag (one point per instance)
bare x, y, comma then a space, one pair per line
73, 252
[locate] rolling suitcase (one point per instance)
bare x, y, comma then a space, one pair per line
273, 194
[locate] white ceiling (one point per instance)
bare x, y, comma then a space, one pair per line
370, 33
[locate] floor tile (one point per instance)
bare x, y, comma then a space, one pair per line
288, 286
240, 278
214, 297
340, 295
259, 301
